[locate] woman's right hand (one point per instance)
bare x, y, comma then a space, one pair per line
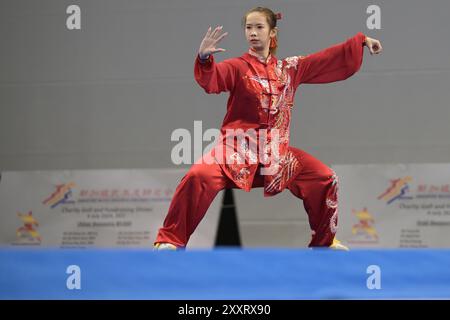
209, 42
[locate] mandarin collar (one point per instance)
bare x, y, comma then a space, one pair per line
253, 54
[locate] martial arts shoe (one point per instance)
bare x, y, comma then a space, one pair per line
164, 246
337, 245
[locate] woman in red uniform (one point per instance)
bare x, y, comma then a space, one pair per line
261, 96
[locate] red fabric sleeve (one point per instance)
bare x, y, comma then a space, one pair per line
335, 63
214, 77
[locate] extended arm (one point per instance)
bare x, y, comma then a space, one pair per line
211, 76
335, 63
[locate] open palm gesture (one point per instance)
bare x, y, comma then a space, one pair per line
210, 41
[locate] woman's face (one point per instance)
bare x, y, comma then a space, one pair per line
257, 31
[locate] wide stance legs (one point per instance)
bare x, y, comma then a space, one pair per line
316, 185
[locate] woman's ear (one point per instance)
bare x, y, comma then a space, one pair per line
274, 32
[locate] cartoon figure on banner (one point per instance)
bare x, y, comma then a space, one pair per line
28, 232
365, 225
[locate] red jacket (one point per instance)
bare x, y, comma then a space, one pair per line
262, 97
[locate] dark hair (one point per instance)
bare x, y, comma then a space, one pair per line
271, 20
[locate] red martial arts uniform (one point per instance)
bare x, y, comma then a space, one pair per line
262, 97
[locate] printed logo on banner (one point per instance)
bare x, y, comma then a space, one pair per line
433, 191
62, 195
398, 189
364, 231
27, 233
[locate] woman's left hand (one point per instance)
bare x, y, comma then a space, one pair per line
374, 45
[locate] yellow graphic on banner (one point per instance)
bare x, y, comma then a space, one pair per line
365, 224
28, 231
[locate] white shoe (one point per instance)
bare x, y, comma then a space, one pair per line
337, 245
164, 246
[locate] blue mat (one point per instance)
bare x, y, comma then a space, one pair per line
224, 274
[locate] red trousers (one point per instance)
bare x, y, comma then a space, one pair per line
316, 185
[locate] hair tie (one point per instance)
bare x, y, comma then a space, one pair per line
278, 16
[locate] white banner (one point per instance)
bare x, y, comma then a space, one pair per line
393, 206
92, 208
